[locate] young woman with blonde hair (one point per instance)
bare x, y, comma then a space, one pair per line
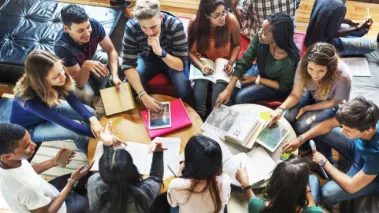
38, 104
322, 82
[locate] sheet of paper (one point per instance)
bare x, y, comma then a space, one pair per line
358, 66
170, 155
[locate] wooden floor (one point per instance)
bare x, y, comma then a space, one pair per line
187, 8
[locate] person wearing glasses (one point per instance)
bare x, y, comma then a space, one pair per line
276, 55
322, 82
223, 41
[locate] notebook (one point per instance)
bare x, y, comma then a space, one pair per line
117, 100
179, 119
141, 155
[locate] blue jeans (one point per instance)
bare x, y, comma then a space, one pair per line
152, 65
305, 122
314, 185
351, 45
48, 131
251, 93
332, 193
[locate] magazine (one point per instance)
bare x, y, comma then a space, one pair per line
217, 75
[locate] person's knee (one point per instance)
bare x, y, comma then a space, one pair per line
301, 127
329, 194
241, 98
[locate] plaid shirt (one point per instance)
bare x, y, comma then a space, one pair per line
254, 12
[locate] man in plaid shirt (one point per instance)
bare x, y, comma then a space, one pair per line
251, 13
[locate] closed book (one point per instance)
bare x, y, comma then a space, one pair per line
117, 100
179, 119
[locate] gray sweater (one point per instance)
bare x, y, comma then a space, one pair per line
149, 187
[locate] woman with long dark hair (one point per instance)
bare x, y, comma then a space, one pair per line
119, 187
214, 33
276, 58
201, 187
287, 189
322, 82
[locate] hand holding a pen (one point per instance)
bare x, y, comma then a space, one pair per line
366, 24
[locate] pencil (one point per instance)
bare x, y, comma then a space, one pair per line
368, 12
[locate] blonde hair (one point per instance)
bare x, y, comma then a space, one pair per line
146, 9
323, 54
33, 84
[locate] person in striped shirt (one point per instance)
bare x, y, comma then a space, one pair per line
155, 42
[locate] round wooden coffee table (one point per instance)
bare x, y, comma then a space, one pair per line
129, 126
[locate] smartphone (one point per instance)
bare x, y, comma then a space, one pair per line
63, 158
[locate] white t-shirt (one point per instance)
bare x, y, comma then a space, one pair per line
24, 190
178, 192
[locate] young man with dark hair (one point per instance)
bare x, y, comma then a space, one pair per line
155, 42
354, 134
76, 44
21, 186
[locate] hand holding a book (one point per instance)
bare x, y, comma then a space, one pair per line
242, 176
206, 69
157, 147
228, 69
151, 103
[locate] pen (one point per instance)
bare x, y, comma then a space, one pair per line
368, 12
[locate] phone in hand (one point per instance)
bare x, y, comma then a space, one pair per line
64, 157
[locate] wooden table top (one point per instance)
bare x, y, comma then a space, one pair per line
129, 126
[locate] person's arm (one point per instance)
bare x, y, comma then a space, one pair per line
43, 166
107, 45
235, 11
42, 110
179, 55
157, 169
349, 184
308, 194
79, 74
320, 129
235, 37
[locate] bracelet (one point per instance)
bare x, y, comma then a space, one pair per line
281, 108
301, 139
72, 181
247, 188
309, 191
140, 94
257, 79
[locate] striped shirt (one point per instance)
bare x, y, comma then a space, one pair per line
325, 21
254, 12
173, 40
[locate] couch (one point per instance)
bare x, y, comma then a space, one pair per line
33, 24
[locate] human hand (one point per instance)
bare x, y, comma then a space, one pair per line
301, 112
317, 157
275, 116
242, 176
207, 70
157, 147
248, 79
291, 145
96, 126
228, 69
154, 43
81, 172
352, 23
96, 67
151, 103
116, 81
59, 153
366, 24
223, 98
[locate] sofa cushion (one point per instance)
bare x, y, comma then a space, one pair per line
34, 24
5, 109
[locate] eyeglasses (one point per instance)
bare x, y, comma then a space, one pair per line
219, 15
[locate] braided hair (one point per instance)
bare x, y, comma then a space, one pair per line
282, 31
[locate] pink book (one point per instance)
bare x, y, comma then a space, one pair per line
179, 119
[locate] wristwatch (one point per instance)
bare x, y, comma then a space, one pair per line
164, 54
322, 163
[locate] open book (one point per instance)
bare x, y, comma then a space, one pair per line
218, 75
141, 155
258, 163
244, 128
117, 100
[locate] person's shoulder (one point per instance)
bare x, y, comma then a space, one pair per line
233, 19
61, 39
180, 183
171, 22
133, 25
313, 209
